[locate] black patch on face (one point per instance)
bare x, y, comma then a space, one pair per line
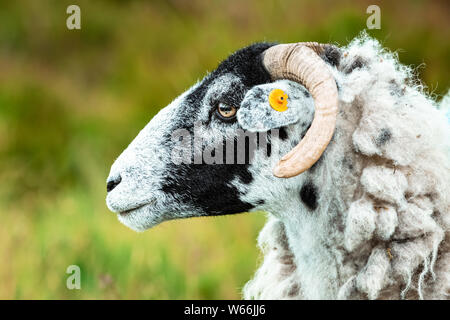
208, 187
357, 64
384, 136
308, 195
245, 64
332, 55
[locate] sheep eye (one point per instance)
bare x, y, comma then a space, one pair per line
226, 112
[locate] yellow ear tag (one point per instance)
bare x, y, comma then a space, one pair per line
278, 100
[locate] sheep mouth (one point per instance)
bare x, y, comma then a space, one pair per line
127, 212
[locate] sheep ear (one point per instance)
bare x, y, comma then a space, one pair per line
275, 105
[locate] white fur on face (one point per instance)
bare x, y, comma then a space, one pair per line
138, 199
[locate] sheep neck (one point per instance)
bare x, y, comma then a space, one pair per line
315, 238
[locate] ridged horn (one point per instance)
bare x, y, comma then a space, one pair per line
301, 62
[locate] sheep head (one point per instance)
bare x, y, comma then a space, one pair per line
155, 179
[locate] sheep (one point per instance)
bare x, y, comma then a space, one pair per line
359, 209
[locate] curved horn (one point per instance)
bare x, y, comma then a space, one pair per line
300, 62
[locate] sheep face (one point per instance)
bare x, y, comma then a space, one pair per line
189, 160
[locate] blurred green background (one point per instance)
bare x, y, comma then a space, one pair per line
71, 101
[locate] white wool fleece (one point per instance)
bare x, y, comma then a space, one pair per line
381, 229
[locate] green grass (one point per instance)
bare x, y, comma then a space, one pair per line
71, 101
196, 258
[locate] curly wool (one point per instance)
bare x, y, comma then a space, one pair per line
389, 169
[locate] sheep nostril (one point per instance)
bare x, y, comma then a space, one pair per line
113, 183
